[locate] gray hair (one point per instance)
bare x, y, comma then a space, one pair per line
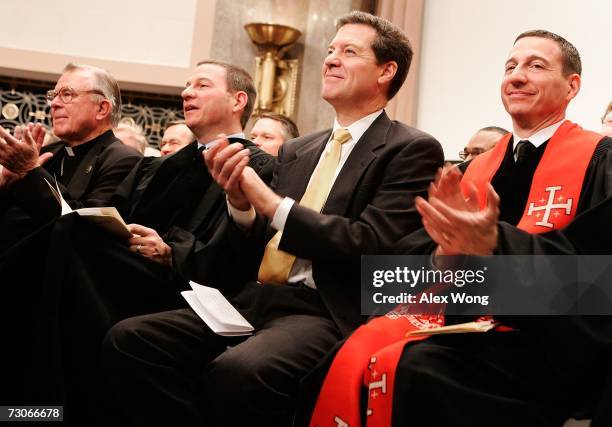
106, 84
134, 129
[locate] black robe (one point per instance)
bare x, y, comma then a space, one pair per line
554, 366
89, 280
90, 179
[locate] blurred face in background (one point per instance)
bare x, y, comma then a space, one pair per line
479, 143
175, 138
268, 134
606, 127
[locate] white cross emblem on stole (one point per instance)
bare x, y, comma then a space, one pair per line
549, 206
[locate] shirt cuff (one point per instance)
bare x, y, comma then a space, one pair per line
281, 214
244, 219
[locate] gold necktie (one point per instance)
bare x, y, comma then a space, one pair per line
276, 264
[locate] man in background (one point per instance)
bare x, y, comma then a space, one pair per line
271, 130
606, 121
482, 141
176, 136
133, 135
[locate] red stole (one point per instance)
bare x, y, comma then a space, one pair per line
555, 189
370, 355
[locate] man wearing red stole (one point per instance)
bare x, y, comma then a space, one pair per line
533, 370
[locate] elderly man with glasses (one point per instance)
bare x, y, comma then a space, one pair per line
87, 164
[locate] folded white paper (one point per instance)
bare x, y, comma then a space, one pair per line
216, 311
107, 218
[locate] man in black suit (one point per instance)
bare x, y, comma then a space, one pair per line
88, 163
175, 196
356, 187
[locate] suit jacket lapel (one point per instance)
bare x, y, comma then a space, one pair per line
301, 168
80, 180
356, 164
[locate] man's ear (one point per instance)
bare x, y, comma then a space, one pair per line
574, 83
240, 101
105, 110
387, 72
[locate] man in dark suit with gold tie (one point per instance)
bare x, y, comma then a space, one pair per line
355, 184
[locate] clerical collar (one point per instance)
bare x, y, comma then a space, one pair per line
211, 143
68, 159
81, 149
358, 128
540, 137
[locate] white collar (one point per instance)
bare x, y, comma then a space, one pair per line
541, 136
359, 127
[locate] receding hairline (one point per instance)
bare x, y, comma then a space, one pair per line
195, 70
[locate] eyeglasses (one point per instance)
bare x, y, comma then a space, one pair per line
67, 94
465, 153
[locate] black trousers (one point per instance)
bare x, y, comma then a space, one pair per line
482, 380
62, 289
169, 368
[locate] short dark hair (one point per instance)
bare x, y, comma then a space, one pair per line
391, 44
289, 127
569, 54
607, 111
497, 129
237, 79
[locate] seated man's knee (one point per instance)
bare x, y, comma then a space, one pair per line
124, 337
243, 375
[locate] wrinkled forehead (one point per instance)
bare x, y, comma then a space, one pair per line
76, 79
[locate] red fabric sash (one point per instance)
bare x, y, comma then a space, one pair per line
557, 182
370, 355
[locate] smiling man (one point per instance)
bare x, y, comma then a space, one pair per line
532, 370
337, 194
88, 162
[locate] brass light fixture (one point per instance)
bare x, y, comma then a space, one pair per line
275, 78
